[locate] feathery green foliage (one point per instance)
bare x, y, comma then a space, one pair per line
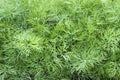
59, 39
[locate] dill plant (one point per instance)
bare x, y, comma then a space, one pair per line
59, 40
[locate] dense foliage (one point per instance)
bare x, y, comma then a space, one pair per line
59, 39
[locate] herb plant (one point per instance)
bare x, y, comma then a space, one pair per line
59, 39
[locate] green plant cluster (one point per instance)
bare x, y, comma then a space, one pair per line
59, 39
